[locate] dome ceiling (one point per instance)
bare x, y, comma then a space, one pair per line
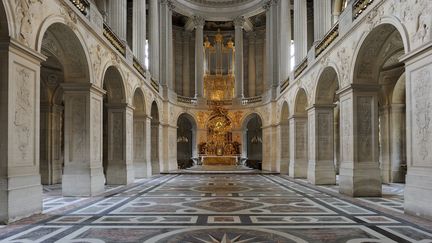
219, 10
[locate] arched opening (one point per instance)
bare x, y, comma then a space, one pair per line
376, 73
141, 126
66, 63
154, 134
299, 123
186, 141
284, 130
252, 128
322, 130
115, 118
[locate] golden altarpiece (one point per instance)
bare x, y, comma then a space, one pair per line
219, 148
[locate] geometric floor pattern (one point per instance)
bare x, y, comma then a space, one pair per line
218, 208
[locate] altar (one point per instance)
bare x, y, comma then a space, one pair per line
219, 160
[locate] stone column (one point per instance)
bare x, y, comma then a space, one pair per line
117, 17
298, 146
199, 55
384, 156
251, 65
359, 170
168, 147
397, 143
321, 169
300, 30
141, 146
154, 39
83, 172
51, 158
139, 29
322, 18
284, 147
120, 148
285, 39
166, 60
20, 186
239, 80
272, 44
418, 189
337, 9
186, 64
267, 154
154, 138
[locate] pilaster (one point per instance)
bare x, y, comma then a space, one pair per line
20, 185
359, 170
298, 147
83, 172
119, 170
321, 170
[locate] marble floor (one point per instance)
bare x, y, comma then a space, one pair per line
215, 208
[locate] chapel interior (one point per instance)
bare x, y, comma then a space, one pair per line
215, 121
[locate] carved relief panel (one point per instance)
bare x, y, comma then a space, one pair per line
365, 128
325, 135
24, 119
422, 116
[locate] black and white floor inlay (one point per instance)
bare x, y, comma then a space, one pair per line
218, 208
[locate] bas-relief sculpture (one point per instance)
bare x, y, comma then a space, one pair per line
78, 131
96, 129
364, 128
346, 130
24, 113
422, 109
117, 135
323, 139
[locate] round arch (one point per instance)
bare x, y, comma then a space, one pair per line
140, 130
300, 103
154, 139
252, 140
54, 30
284, 144
113, 83
378, 49
186, 140
327, 85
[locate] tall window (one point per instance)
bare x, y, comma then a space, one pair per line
292, 57
146, 54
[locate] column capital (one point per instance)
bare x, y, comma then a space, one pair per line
239, 21
170, 4
198, 21
268, 4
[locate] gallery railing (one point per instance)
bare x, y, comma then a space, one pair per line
81, 5
360, 6
327, 40
252, 100
301, 67
186, 100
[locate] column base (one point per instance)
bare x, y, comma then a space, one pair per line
361, 180
141, 170
84, 182
119, 173
418, 194
20, 197
298, 169
398, 176
321, 173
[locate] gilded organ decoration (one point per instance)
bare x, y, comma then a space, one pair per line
219, 80
219, 135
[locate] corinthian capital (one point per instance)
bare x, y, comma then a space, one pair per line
239, 21
198, 21
169, 3
267, 5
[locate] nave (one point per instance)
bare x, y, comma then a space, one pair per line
216, 208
